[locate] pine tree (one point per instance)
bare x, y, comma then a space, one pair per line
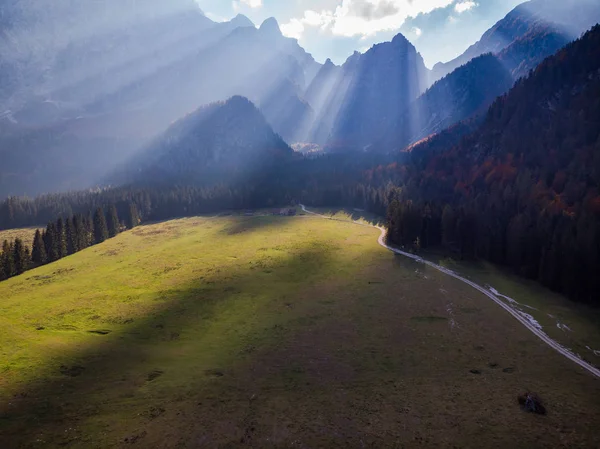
2, 274
52, 243
8, 260
61, 236
81, 232
88, 225
133, 219
100, 228
112, 221
21, 257
71, 235
38, 252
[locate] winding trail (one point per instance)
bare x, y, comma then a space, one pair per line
519, 316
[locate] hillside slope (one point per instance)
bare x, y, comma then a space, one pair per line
267, 331
524, 188
218, 142
464, 93
565, 19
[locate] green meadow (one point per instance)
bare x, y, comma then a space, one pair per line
271, 332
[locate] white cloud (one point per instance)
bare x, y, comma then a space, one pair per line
418, 31
250, 3
295, 27
461, 7
362, 17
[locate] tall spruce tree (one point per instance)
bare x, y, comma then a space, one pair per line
100, 228
71, 235
2, 274
88, 224
8, 260
38, 252
81, 233
133, 217
52, 243
21, 257
112, 221
61, 235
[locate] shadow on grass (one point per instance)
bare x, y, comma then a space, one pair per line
241, 225
195, 332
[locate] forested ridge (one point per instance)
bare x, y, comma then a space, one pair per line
522, 190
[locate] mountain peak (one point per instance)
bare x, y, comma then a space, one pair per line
400, 39
271, 27
241, 21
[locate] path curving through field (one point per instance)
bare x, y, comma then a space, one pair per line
515, 313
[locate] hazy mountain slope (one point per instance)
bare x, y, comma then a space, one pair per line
567, 18
73, 51
111, 86
525, 53
467, 91
218, 142
371, 92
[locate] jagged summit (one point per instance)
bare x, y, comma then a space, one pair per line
400, 39
242, 21
271, 27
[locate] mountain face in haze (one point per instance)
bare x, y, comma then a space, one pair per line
226, 140
66, 55
466, 92
85, 84
515, 46
84, 87
367, 94
536, 29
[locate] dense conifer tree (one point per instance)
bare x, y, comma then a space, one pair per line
112, 221
38, 252
71, 235
2, 274
133, 217
8, 261
100, 228
61, 235
21, 257
88, 224
52, 243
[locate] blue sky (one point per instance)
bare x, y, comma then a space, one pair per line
440, 29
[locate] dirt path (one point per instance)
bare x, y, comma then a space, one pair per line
522, 318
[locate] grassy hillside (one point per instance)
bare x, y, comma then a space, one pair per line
271, 332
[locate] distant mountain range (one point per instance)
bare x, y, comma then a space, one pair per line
524, 26
83, 89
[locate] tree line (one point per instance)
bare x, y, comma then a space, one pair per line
64, 237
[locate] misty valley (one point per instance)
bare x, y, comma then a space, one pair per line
210, 237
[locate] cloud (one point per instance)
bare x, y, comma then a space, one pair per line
418, 31
362, 18
250, 3
295, 27
461, 7
369, 11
